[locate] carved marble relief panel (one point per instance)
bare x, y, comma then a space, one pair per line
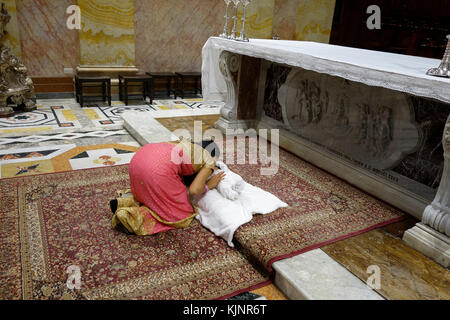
394, 135
372, 125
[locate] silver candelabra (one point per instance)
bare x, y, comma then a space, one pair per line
232, 36
444, 69
236, 5
242, 37
225, 28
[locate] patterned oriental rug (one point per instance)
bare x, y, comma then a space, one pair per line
49, 223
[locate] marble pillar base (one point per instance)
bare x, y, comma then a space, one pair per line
431, 243
225, 125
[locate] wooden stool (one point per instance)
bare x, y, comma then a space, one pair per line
168, 76
138, 80
197, 76
94, 82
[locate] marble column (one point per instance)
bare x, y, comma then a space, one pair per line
431, 237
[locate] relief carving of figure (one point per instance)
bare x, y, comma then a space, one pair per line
368, 128
384, 137
375, 130
316, 103
342, 119
362, 129
309, 103
304, 114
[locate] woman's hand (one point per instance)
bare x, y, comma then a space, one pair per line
215, 180
198, 185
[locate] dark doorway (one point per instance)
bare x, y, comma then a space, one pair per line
413, 27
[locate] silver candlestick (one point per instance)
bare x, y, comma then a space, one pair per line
245, 3
444, 69
225, 28
236, 5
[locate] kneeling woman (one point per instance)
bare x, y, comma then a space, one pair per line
159, 200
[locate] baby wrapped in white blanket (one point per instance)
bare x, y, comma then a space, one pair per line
232, 204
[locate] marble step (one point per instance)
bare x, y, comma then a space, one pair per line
316, 276
143, 127
176, 113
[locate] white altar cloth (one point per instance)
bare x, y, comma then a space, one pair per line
392, 71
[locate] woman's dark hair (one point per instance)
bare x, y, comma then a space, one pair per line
209, 146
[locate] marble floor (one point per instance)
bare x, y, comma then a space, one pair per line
27, 149
65, 115
187, 123
406, 274
29, 146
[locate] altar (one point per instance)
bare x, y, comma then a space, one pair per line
374, 119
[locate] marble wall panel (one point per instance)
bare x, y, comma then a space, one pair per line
285, 19
260, 18
12, 39
47, 45
107, 33
170, 34
315, 20
154, 35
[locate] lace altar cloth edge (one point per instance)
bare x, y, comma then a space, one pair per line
374, 68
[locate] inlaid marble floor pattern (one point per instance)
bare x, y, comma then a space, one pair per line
51, 157
66, 115
42, 141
